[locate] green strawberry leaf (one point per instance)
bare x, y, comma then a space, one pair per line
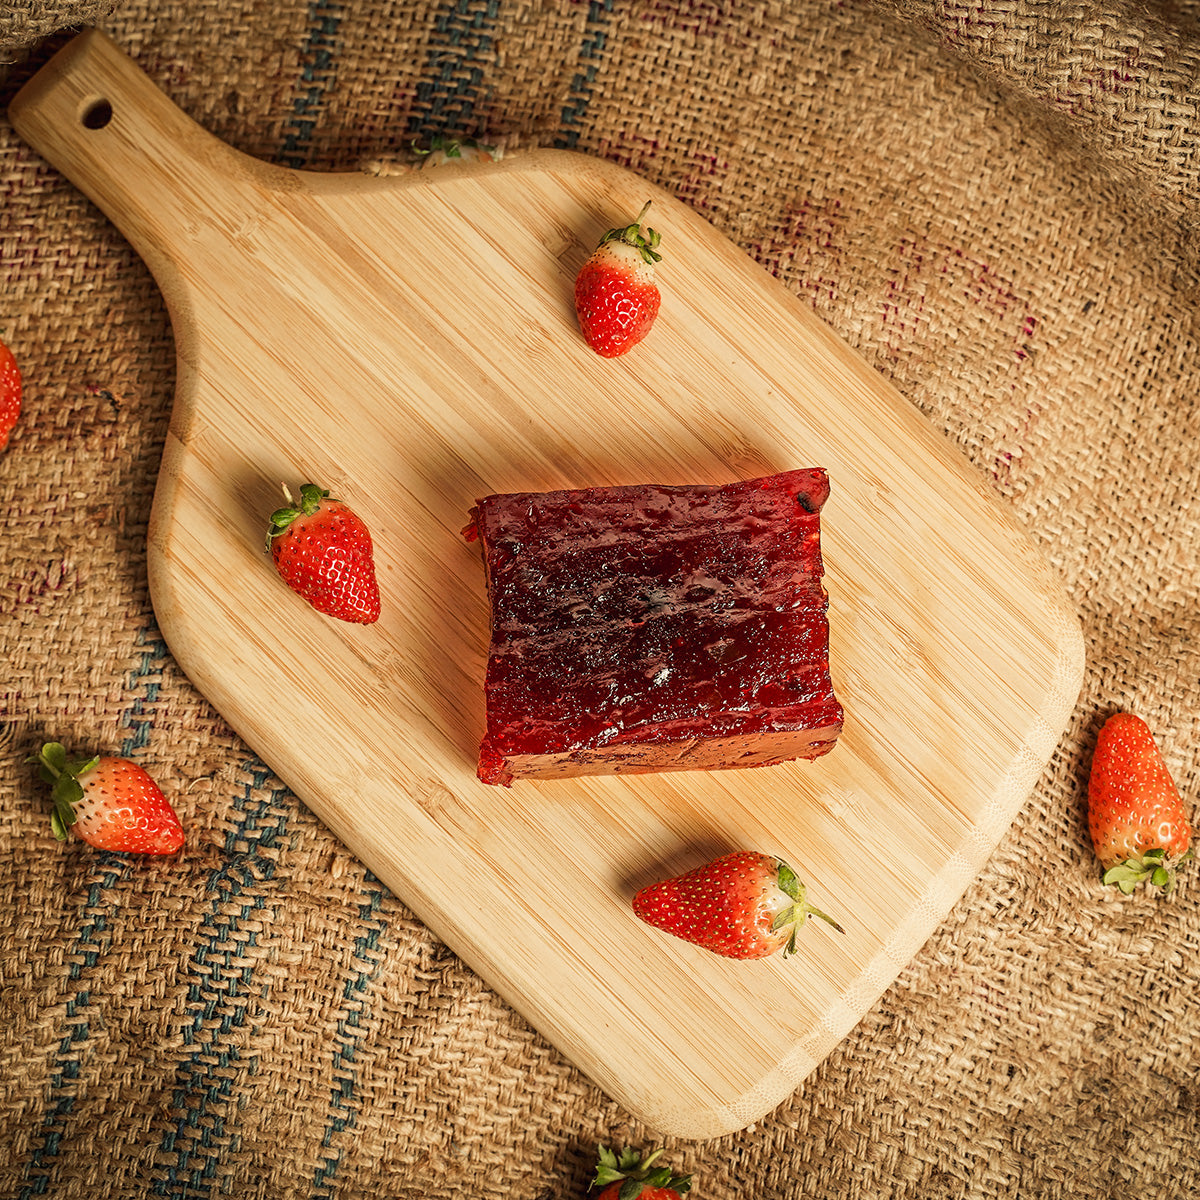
66, 791
607, 1157
310, 500
813, 911
311, 497
636, 1172
797, 913
1125, 872
645, 244
632, 1159
56, 824
451, 147
786, 916
1151, 866
789, 882
613, 1167
53, 758
66, 794
607, 1171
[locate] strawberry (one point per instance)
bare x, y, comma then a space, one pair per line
443, 149
325, 554
111, 803
744, 905
1139, 827
616, 298
629, 1174
10, 393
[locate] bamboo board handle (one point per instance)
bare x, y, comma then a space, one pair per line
162, 179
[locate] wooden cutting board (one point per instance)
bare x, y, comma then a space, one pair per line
410, 342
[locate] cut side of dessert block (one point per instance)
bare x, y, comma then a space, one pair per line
656, 628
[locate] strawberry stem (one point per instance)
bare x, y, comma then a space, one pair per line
799, 910
310, 500
646, 244
636, 1172
1152, 866
63, 776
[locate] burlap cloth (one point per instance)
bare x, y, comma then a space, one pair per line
997, 205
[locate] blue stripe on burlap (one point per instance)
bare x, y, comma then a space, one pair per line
146, 682
595, 38
343, 1102
90, 940
85, 952
220, 988
318, 76
460, 47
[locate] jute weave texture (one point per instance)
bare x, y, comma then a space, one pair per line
996, 204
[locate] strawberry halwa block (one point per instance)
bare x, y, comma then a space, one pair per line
656, 628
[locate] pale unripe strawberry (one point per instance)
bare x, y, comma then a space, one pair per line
110, 803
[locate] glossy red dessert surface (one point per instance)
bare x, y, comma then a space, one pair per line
653, 628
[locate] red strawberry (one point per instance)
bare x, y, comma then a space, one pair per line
744, 905
616, 298
325, 554
629, 1175
1138, 823
10, 393
111, 803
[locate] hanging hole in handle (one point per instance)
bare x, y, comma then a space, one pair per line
96, 114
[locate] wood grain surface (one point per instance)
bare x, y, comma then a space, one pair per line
410, 343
